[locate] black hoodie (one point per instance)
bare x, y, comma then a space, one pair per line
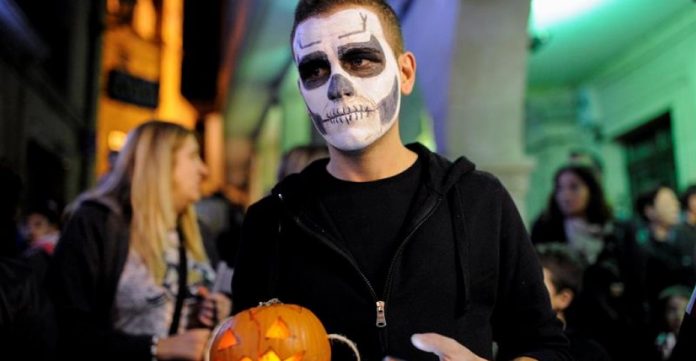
465, 269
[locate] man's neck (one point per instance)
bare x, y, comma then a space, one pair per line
385, 158
691, 218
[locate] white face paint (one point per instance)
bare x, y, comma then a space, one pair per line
349, 77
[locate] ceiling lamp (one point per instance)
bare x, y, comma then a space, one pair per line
547, 13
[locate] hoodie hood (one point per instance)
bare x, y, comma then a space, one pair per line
440, 174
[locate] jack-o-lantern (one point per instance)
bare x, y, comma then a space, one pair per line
273, 331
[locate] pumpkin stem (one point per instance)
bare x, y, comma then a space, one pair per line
272, 301
346, 341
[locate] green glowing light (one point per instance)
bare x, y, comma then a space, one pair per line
547, 13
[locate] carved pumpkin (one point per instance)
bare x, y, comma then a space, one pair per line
270, 332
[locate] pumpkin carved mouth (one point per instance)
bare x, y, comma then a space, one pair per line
273, 331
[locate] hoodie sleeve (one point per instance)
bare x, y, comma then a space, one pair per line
523, 322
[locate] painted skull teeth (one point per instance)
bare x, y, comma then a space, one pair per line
349, 117
347, 114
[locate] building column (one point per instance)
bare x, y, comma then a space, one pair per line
486, 107
552, 132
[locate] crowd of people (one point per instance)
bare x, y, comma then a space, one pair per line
636, 274
131, 276
409, 254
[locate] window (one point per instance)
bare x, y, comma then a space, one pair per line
650, 155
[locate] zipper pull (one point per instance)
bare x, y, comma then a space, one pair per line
381, 318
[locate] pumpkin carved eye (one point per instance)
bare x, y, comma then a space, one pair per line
227, 340
270, 332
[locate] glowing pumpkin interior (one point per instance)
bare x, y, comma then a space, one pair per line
273, 332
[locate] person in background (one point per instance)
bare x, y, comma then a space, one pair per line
27, 325
221, 221
577, 214
42, 227
297, 158
685, 232
672, 307
667, 263
131, 278
563, 279
685, 348
612, 307
399, 249
688, 203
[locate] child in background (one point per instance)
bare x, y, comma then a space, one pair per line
563, 272
673, 301
42, 227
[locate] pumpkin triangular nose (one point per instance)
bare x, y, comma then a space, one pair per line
278, 330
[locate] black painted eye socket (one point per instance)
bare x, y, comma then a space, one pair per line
314, 73
363, 62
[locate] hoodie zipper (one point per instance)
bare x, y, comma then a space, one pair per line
380, 305
325, 240
392, 266
381, 320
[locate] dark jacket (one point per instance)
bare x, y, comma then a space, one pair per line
685, 349
546, 231
465, 268
611, 308
88, 262
27, 325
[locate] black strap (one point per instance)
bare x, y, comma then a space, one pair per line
183, 289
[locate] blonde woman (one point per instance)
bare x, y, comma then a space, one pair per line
131, 276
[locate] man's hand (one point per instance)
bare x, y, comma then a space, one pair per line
445, 348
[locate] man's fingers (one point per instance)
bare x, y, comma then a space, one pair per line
444, 347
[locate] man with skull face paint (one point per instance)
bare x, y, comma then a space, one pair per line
349, 82
393, 246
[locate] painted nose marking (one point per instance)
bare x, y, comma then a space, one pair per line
339, 87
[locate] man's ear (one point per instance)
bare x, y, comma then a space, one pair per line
407, 71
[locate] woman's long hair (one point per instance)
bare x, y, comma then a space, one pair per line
141, 183
597, 212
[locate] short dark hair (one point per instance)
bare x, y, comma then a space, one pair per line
565, 267
647, 198
688, 193
390, 21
